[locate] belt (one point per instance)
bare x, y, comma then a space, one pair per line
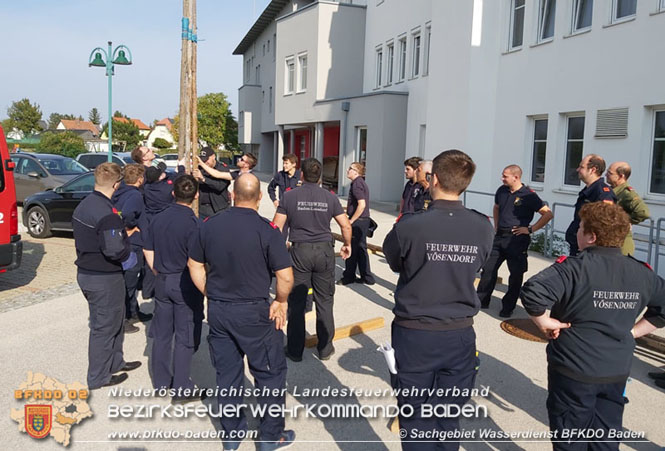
313, 244
504, 231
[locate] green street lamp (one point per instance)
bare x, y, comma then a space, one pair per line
107, 58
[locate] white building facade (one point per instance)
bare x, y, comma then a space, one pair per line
537, 83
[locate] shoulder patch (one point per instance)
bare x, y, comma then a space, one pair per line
399, 217
272, 224
169, 181
561, 259
288, 189
629, 188
606, 189
206, 219
332, 192
641, 262
225, 165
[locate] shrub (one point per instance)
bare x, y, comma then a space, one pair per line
162, 143
67, 144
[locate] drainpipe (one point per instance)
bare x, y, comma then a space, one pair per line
341, 166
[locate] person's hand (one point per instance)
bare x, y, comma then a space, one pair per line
275, 203
345, 252
520, 231
549, 326
278, 313
196, 173
132, 231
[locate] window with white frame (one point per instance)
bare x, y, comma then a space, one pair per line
546, 13
661, 5
574, 149
539, 150
623, 9
401, 74
428, 40
290, 75
517, 8
415, 68
379, 66
582, 14
390, 59
302, 72
657, 184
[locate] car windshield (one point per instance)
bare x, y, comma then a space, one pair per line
169, 157
63, 166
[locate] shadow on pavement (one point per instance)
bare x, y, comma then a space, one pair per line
33, 254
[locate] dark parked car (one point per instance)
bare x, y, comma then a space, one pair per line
37, 172
92, 160
53, 209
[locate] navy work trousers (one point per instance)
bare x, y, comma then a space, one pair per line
239, 329
313, 265
359, 258
431, 359
132, 278
105, 294
179, 314
580, 406
512, 249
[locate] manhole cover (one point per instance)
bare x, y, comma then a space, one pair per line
523, 328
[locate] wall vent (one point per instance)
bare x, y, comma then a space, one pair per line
612, 123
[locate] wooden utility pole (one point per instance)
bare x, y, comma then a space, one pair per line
187, 123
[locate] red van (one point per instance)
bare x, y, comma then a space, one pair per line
11, 247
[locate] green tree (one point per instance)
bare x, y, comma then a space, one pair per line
55, 118
162, 143
93, 116
231, 131
66, 143
215, 121
24, 116
119, 114
126, 132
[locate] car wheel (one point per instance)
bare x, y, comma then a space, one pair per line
39, 225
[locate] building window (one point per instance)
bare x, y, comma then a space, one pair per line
263, 97
516, 23
303, 149
574, 149
268, 49
270, 100
546, 14
379, 66
582, 14
258, 74
274, 46
402, 59
415, 70
264, 50
290, 76
661, 5
389, 63
248, 68
658, 161
623, 9
539, 150
428, 40
361, 145
302, 72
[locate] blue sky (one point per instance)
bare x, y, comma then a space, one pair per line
46, 45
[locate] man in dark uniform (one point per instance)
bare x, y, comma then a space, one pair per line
437, 254
178, 304
246, 165
514, 207
214, 192
129, 201
285, 180
308, 211
590, 172
101, 248
595, 299
242, 251
423, 177
413, 191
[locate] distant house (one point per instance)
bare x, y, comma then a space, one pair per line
162, 129
144, 130
78, 126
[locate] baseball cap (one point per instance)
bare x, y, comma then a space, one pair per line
206, 153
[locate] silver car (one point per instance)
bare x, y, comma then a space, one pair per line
37, 172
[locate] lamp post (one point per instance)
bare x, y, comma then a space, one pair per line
108, 60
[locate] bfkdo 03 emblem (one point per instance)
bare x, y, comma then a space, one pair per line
38, 420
